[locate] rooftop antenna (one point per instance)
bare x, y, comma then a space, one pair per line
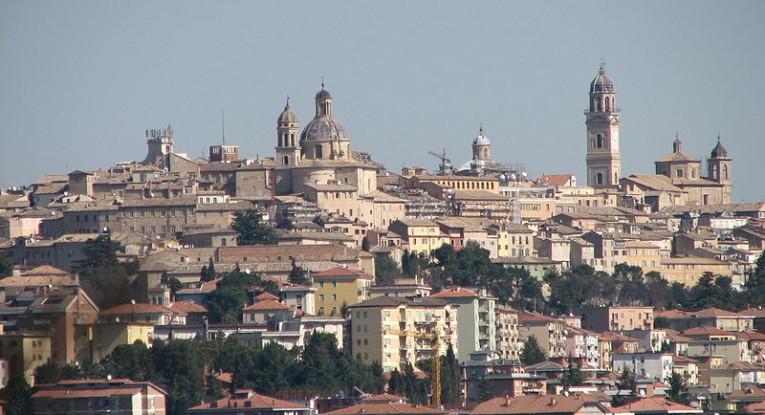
223, 125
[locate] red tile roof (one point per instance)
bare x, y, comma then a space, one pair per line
706, 331
255, 401
385, 409
139, 308
455, 292
266, 305
542, 404
188, 307
655, 405
266, 296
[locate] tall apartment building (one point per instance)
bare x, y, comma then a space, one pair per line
548, 331
395, 331
476, 317
120, 396
508, 341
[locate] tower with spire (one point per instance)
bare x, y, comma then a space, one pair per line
604, 162
287, 142
719, 166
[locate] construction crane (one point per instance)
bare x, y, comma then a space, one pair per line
445, 167
436, 374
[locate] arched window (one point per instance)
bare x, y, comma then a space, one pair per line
599, 178
292, 139
600, 106
486, 153
608, 104
714, 173
725, 172
317, 151
286, 160
599, 141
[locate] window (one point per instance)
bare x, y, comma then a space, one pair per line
599, 141
317, 151
599, 178
679, 172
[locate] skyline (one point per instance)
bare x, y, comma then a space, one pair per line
402, 84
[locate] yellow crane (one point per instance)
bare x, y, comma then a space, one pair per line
436, 374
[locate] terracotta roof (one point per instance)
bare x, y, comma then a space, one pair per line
386, 408
706, 331
542, 404
86, 393
385, 398
266, 305
139, 308
526, 316
342, 272
266, 296
655, 405
748, 394
252, 400
225, 377
455, 292
187, 307
44, 270
683, 359
755, 408
555, 179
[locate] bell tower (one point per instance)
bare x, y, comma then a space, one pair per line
719, 166
604, 162
287, 142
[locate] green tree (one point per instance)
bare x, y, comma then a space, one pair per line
532, 353
573, 375
6, 266
252, 229
365, 244
208, 271
102, 276
484, 390
450, 379
626, 386
18, 396
47, 373
177, 366
298, 275
225, 304
678, 389
386, 270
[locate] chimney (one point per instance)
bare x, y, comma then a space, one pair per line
553, 401
507, 400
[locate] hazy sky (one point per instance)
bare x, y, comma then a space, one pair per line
80, 81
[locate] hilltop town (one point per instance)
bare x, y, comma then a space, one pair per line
317, 281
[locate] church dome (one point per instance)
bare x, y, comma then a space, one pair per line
719, 151
602, 83
323, 128
287, 116
481, 139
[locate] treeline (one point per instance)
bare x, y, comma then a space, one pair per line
178, 366
564, 292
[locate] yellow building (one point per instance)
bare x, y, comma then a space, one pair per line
99, 340
340, 287
419, 235
24, 353
394, 331
513, 240
687, 270
485, 183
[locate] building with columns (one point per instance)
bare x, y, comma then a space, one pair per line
604, 162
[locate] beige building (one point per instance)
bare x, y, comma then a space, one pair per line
395, 331
685, 171
617, 318
24, 352
549, 332
419, 235
117, 396
508, 341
